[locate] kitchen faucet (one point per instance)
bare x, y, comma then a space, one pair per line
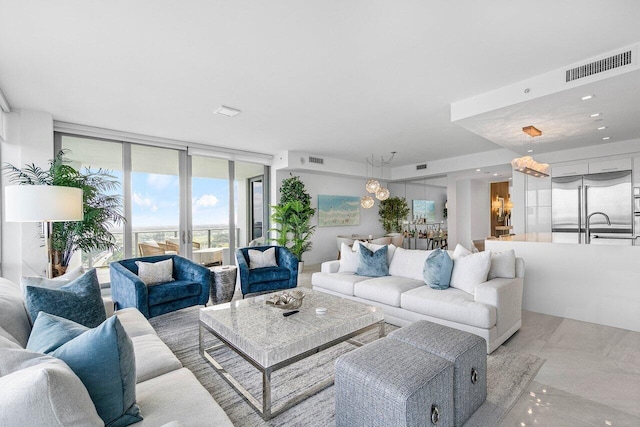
588, 228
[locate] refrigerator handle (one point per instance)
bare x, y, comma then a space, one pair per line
579, 214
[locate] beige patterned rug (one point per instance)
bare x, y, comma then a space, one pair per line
509, 373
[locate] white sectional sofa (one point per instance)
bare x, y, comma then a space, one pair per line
166, 392
492, 311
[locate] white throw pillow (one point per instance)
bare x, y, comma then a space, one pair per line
55, 283
391, 249
460, 251
36, 389
154, 273
503, 264
470, 271
408, 263
349, 259
262, 259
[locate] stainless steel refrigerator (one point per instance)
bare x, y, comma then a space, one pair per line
575, 198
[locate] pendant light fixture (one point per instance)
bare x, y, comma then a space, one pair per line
373, 185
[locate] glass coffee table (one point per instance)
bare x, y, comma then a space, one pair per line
270, 341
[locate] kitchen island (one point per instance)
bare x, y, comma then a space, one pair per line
593, 283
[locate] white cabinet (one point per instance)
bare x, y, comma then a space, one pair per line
594, 167
610, 166
570, 170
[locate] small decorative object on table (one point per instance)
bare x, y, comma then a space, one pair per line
286, 300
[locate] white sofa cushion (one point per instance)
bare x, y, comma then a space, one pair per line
36, 389
153, 357
337, 282
178, 395
471, 270
503, 264
408, 263
451, 304
385, 290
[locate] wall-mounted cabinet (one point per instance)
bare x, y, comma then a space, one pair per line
610, 166
570, 170
592, 167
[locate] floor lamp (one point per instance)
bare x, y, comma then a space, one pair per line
46, 204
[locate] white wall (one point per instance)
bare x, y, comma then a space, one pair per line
324, 239
469, 211
29, 139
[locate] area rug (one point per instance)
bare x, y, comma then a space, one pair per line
509, 373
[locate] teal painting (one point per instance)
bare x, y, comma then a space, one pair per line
338, 210
424, 210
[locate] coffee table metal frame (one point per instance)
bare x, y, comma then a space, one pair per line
265, 410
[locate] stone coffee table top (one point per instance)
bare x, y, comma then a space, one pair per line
261, 331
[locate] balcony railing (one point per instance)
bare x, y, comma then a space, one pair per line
212, 237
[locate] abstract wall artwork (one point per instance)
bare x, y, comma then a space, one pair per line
338, 210
424, 211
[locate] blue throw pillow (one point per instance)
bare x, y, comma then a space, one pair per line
372, 264
437, 269
102, 358
80, 301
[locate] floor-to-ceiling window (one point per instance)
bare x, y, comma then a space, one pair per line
155, 198
176, 202
210, 210
94, 154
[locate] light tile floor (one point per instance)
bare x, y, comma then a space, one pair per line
591, 376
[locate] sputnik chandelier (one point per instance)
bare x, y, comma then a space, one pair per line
373, 185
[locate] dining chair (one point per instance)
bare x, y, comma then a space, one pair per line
381, 241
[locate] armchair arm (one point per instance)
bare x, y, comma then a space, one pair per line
506, 296
127, 290
289, 261
243, 268
188, 270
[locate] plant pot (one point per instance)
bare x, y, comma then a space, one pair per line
300, 266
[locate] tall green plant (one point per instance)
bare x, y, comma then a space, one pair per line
292, 217
101, 209
392, 211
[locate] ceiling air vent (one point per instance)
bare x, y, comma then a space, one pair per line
421, 167
599, 66
317, 160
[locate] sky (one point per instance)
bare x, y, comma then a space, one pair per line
156, 200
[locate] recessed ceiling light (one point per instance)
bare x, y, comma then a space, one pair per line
227, 111
595, 115
584, 98
606, 138
477, 170
529, 151
510, 178
602, 128
495, 174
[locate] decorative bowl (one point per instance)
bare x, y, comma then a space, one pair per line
286, 300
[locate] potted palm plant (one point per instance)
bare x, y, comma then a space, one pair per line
392, 211
101, 207
292, 217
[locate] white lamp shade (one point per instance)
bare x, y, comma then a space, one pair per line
39, 203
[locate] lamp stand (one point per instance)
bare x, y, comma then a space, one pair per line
47, 228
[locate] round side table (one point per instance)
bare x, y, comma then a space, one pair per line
223, 283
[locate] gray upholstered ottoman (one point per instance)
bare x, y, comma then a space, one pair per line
466, 351
390, 383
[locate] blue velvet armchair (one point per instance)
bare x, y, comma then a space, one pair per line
190, 287
284, 276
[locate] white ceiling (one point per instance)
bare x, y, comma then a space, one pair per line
332, 77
